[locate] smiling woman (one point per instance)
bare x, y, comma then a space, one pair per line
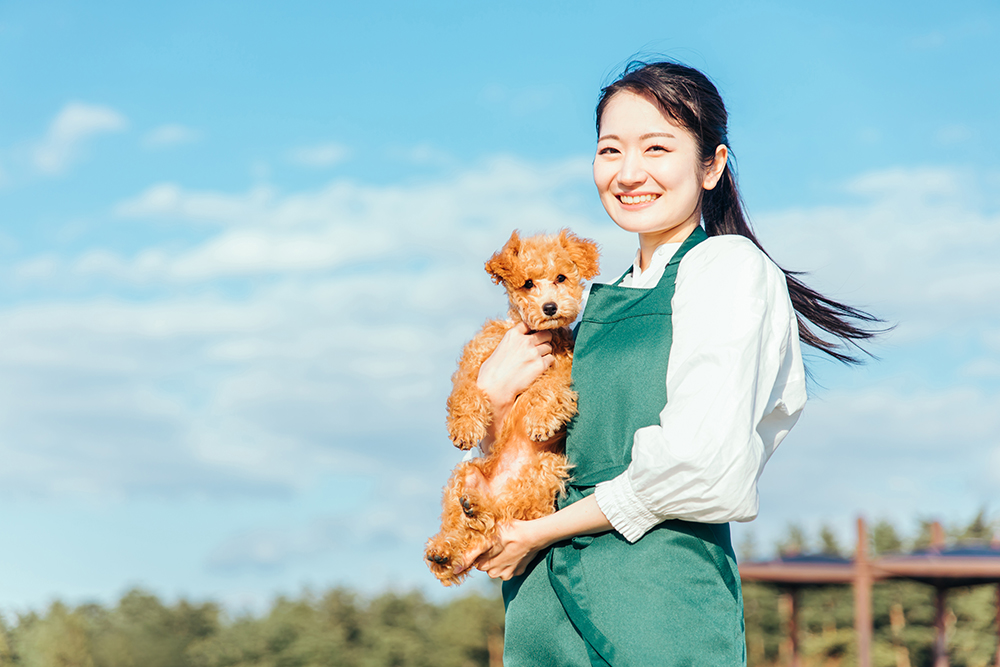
637, 566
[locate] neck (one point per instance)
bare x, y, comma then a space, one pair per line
648, 243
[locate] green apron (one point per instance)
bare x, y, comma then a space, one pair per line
671, 598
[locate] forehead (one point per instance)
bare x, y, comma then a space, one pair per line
543, 253
628, 114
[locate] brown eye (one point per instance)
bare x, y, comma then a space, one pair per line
527, 284
560, 278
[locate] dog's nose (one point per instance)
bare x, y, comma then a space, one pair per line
550, 308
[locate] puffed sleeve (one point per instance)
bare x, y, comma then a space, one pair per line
735, 386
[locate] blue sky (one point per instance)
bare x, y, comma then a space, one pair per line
241, 247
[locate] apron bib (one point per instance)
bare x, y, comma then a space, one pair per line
671, 598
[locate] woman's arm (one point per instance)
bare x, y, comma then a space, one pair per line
518, 542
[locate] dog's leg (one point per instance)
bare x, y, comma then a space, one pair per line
533, 493
469, 410
469, 414
550, 403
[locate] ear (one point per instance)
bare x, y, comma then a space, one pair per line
501, 264
714, 171
583, 252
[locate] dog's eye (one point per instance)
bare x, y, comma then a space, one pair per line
560, 278
527, 284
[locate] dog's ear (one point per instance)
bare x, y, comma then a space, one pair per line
501, 264
583, 252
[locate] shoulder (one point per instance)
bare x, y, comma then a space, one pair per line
730, 254
733, 264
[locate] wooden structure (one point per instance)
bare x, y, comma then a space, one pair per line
937, 566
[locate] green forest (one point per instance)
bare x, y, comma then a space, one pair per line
343, 629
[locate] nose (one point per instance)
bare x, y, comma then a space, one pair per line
631, 173
550, 308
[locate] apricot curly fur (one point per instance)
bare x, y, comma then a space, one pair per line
526, 469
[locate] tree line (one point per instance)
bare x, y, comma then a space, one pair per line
341, 628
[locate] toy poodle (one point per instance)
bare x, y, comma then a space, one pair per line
525, 470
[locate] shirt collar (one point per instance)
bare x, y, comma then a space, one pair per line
661, 257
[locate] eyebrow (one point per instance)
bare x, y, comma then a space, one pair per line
642, 138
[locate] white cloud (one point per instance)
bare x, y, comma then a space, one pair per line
982, 368
339, 361
172, 134
951, 135
38, 268
347, 224
887, 449
314, 333
321, 155
72, 127
169, 200
919, 247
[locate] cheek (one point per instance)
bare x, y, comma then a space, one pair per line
681, 180
602, 177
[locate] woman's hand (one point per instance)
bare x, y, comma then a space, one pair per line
517, 542
516, 362
510, 553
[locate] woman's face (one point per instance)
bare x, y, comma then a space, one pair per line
648, 171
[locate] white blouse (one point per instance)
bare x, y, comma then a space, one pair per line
735, 382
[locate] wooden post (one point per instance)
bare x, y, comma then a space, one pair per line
494, 648
863, 597
937, 536
940, 603
940, 631
897, 621
794, 596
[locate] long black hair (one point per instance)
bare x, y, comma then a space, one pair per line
692, 101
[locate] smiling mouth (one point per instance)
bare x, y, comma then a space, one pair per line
637, 199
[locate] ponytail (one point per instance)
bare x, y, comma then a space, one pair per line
723, 213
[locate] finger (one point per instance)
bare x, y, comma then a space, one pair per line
484, 560
544, 349
521, 328
468, 559
543, 336
547, 360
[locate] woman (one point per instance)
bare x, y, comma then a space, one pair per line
689, 375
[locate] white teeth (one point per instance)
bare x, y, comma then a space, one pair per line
641, 199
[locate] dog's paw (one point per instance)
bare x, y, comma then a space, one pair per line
439, 559
466, 433
442, 557
467, 508
441, 563
546, 429
542, 434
